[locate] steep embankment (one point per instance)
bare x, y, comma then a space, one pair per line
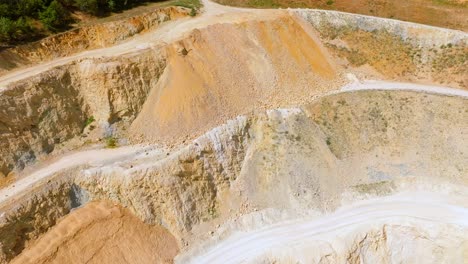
440, 13
185, 78
280, 163
394, 50
211, 72
44, 111
357, 142
86, 38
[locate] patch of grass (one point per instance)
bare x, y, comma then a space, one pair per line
330, 2
264, 3
385, 52
328, 141
111, 142
451, 3
89, 121
194, 5
451, 57
380, 188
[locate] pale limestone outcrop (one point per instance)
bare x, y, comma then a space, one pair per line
411, 242
287, 159
296, 159
43, 111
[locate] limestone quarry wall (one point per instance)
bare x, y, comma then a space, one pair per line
85, 38
297, 159
418, 34
43, 111
32, 214
394, 49
301, 159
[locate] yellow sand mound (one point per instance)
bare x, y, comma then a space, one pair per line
101, 233
229, 69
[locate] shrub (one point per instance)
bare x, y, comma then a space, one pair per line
23, 29
29, 8
7, 27
4, 10
54, 16
112, 5
111, 142
89, 121
90, 6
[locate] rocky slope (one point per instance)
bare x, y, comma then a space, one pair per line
393, 49
301, 159
287, 143
212, 74
44, 111
341, 147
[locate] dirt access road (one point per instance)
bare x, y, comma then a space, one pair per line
416, 208
99, 157
168, 32
109, 156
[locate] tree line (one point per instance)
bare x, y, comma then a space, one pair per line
21, 20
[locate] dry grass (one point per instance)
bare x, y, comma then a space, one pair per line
442, 13
386, 53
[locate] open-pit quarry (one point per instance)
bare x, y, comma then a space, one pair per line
236, 136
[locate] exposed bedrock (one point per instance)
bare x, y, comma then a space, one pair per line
45, 110
364, 142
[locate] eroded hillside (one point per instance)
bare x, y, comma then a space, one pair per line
226, 136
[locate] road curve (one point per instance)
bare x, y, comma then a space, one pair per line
94, 157
165, 33
427, 207
356, 85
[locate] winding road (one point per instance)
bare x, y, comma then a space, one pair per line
244, 246
417, 207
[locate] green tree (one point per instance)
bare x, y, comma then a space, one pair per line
4, 10
54, 16
90, 6
7, 28
29, 8
23, 29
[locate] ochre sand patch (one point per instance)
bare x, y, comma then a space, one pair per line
229, 69
101, 232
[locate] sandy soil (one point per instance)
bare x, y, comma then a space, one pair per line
101, 232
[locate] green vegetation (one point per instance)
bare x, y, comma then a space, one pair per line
451, 3
376, 188
28, 20
89, 121
111, 142
264, 3
54, 16
188, 3
193, 5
